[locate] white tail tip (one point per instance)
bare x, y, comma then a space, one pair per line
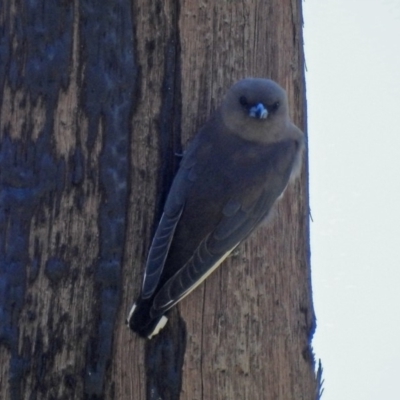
130, 314
161, 323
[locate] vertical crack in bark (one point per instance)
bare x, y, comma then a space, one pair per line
202, 341
165, 353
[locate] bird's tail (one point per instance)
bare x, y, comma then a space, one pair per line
141, 322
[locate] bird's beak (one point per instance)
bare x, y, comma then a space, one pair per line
258, 111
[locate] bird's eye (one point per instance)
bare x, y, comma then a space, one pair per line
243, 101
275, 106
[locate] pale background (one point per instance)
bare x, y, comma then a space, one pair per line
353, 88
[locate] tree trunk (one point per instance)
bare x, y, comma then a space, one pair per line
97, 100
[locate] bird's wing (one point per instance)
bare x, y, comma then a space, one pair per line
169, 220
158, 252
240, 216
237, 223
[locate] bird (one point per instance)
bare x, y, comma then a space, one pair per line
237, 166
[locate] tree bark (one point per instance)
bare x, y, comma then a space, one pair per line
97, 100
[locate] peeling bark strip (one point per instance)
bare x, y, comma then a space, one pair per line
64, 193
109, 77
32, 180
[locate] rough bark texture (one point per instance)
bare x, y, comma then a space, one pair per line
96, 99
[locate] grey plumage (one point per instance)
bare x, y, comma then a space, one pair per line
236, 167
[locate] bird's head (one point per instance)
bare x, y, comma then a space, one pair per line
256, 109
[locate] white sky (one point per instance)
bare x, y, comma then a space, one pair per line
353, 89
